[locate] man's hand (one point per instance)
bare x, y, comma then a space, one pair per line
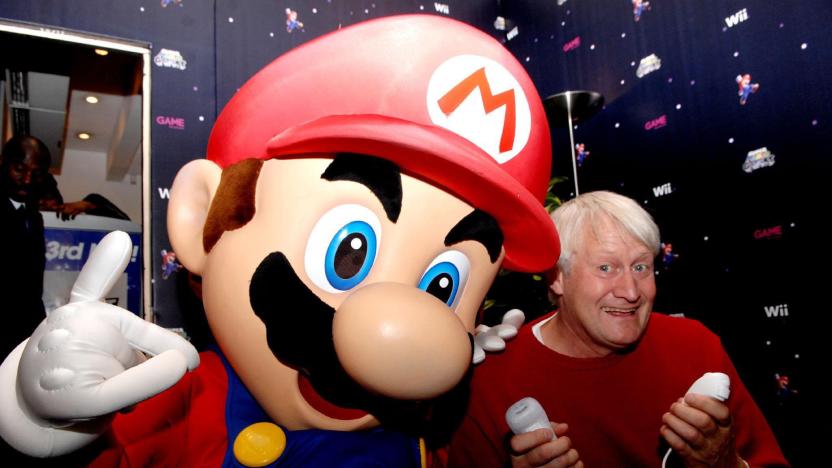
69, 211
700, 430
85, 361
537, 448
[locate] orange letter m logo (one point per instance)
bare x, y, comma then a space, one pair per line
490, 102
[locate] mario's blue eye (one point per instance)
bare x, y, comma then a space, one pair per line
350, 255
442, 281
445, 277
342, 248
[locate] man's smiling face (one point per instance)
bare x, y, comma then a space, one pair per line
321, 232
607, 293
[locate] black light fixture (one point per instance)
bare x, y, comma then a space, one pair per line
567, 109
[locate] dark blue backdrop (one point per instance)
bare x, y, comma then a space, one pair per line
676, 139
673, 135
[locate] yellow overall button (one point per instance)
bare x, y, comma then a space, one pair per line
259, 444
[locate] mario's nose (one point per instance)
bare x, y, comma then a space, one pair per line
400, 342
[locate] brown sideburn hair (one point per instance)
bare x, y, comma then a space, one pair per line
233, 204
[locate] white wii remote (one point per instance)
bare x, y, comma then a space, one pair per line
527, 415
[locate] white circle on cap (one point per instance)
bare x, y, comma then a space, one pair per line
474, 97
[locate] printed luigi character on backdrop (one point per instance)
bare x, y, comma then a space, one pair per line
345, 249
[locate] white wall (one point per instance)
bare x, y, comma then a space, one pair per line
84, 172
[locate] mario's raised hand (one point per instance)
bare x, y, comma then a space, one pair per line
493, 339
84, 361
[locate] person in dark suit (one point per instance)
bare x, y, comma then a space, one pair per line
23, 169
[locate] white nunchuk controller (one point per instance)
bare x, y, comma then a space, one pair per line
713, 384
527, 415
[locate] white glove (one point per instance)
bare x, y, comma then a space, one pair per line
82, 363
494, 338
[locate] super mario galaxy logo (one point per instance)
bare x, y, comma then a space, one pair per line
168, 58
757, 159
648, 64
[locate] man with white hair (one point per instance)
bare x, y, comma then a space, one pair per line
610, 367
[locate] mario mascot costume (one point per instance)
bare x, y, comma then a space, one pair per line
345, 248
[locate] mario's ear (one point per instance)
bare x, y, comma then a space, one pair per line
190, 198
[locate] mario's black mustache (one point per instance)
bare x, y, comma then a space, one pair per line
298, 323
299, 330
299, 334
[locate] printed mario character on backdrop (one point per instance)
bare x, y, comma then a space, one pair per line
667, 254
746, 87
639, 7
581, 153
784, 390
344, 249
292, 22
169, 264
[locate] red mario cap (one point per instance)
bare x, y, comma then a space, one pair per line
442, 100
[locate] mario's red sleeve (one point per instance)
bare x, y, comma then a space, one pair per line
182, 426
